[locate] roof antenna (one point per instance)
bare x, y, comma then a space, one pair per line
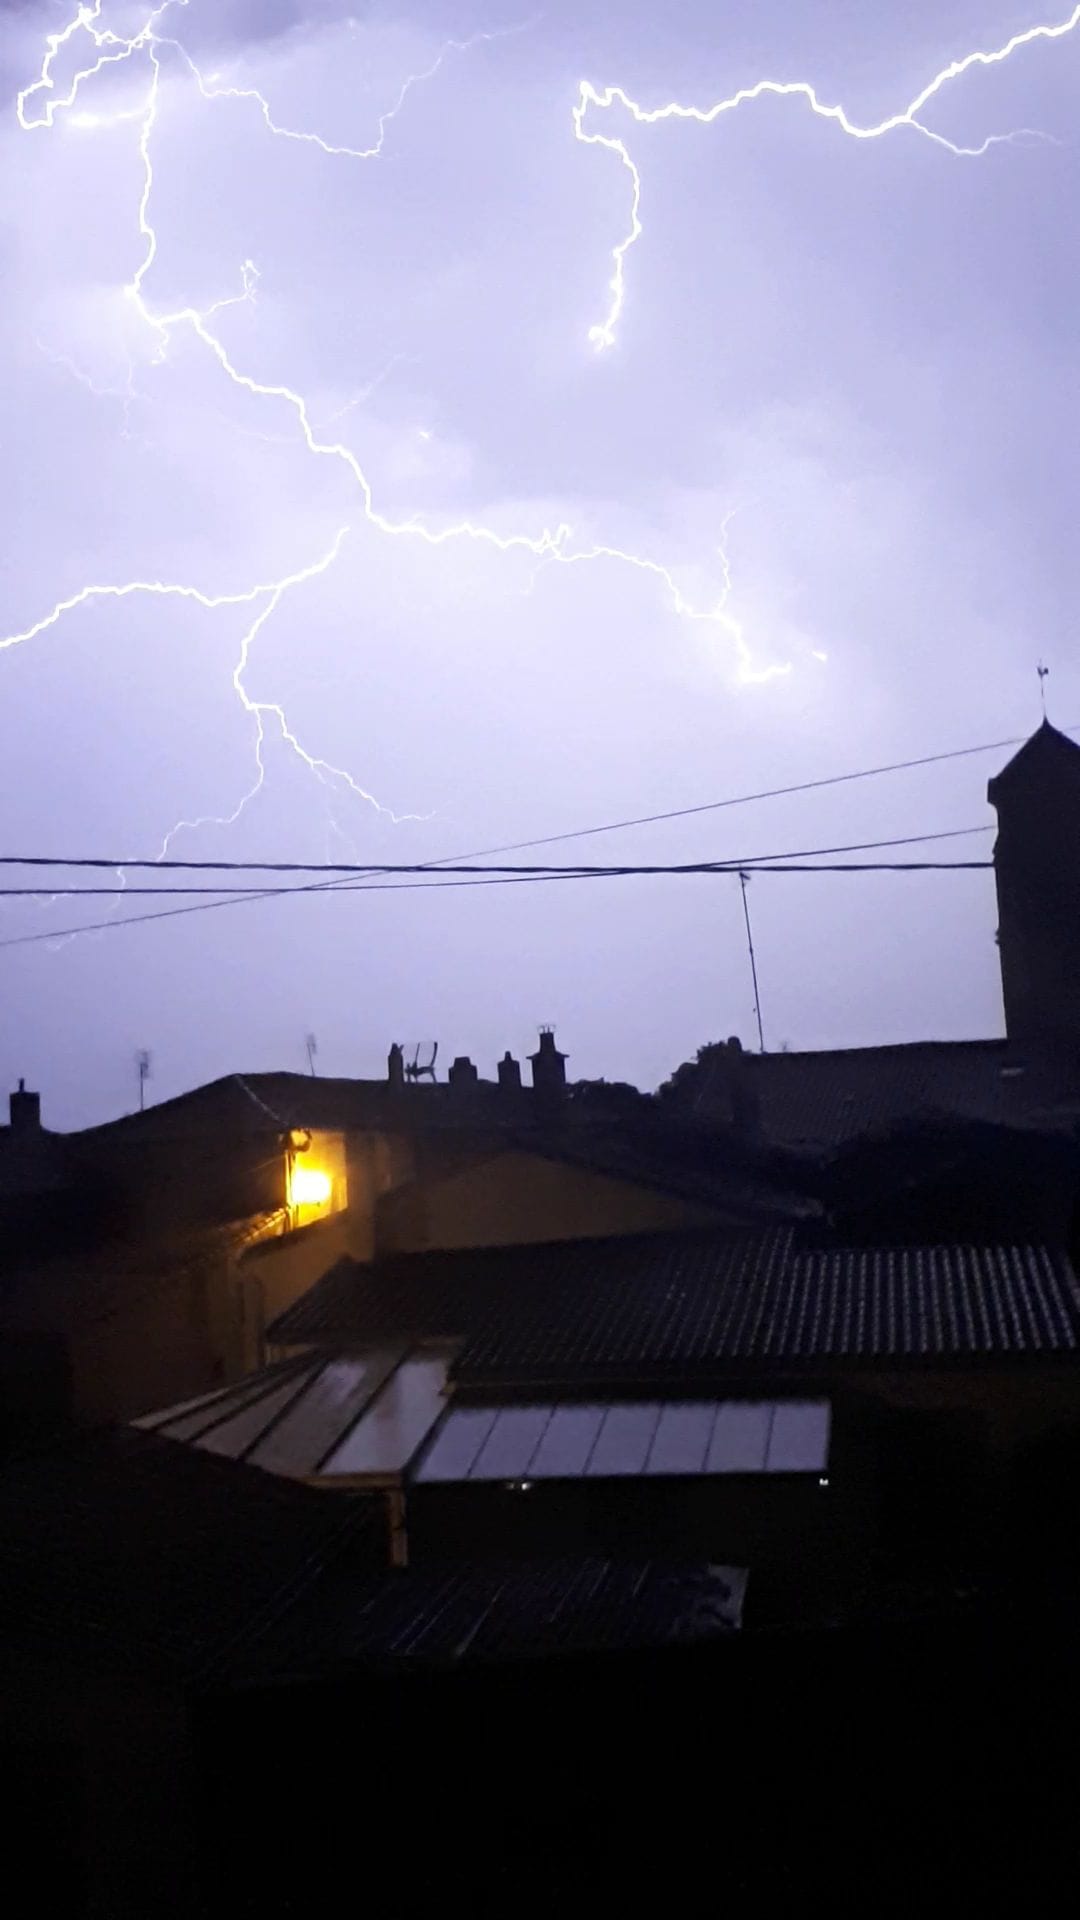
1042, 672
142, 1068
744, 882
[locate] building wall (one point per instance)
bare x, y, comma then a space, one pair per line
517, 1199
168, 1338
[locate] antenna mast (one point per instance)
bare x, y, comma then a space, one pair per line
744, 881
142, 1067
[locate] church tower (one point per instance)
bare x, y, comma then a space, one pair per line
1037, 867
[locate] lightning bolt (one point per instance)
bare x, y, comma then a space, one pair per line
38, 106
602, 99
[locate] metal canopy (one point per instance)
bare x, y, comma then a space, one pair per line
553, 1441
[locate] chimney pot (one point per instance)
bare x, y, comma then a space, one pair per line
25, 1110
463, 1073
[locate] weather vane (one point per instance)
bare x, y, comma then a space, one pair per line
1042, 672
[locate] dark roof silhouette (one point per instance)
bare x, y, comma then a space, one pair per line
822, 1099
1049, 756
123, 1552
443, 1614
692, 1308
446, 1295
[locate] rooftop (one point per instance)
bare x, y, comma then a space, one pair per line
823, 1099
446, 1295
695, 1307
125, 1552
444, 1615
361, 1415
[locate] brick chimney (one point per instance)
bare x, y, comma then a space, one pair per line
395, 1067
25, 1110
463, 1073
548, 1076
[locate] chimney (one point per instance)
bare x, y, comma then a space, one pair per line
395, 1067
463, 1073
25, 1109
742, 1095
548, 1076
509, 1071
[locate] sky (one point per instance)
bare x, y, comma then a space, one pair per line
814, 466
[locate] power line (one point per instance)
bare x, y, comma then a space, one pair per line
413, 866
496, 876
763, 862
246, 897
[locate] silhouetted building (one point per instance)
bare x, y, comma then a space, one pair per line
1037, 868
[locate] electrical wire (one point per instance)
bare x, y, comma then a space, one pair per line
413, 866
762, 862
247, 896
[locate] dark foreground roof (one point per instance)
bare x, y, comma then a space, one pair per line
693, 1307
446, 1295
821, 1100
442, 1614
123, 1552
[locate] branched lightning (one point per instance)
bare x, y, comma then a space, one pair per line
603, 99
38, 106
212, 90
41, 103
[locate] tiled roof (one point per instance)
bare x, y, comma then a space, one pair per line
446, 1614
823, 1099
259, 1103
124, 1552
408, 1296
691, 1307
445, 1295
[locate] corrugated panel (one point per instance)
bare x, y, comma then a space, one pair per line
799, 1437
234, 1436
311, 1428
623, 1443
509, 1447
670, 1313
457, 1443
177, 1424
740, 1437
385, 1438
567, 1442
681, 1441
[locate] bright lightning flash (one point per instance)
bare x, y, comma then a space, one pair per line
39, 105
603, 99
143, 52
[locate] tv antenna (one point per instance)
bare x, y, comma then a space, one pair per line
422, 1064
744, 882
311, 1047
1043, 673
142, 1067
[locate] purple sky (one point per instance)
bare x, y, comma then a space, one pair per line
848, 362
